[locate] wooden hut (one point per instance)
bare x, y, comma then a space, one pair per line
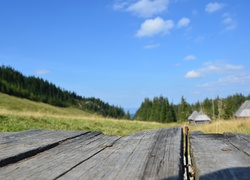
243, 111
199, 118
193, 115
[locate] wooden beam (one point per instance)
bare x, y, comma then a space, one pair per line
220, 156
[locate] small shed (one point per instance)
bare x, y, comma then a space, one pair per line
243, 111
199, 118
193, 115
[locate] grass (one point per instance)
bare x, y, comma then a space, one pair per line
14, 123
221, 126
14, 105
18, 114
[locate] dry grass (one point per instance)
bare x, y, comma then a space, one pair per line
221, 126
18, 114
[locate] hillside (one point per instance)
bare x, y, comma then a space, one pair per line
18, 114
14, 83
12, 105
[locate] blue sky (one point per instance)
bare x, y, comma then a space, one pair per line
123, 51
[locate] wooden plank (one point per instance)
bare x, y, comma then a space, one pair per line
109, 163
55, 162
240, 141
166, 158
146, 155
16, 146
220, 156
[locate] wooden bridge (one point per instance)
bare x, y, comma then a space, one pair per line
155, 154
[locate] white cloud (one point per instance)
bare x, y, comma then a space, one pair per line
193, 74
183, 22
151, 27
42, 72
213, 7
214, 68
151, 46
239, 79
190, 58
142, 8
120, 5
228, 21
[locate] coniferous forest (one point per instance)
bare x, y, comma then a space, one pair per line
159, 109
14, 83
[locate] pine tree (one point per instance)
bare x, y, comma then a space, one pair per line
163, 110
184, 110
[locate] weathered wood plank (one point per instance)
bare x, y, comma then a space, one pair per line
146, 155
220, 156
240, 141
109, 163
16, 146
55, 162
166, 158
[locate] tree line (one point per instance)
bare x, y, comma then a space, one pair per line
14, 83
160, 110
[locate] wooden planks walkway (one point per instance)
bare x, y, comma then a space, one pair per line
40, 154
155, 154
220, 156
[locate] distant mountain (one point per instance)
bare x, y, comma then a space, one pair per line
14, 83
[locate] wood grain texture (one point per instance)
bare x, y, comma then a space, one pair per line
153, 154
146, 155
220, 156
16, 146
59, 160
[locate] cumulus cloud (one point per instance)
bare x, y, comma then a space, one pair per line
151, 27
142, 8
213, 7
193, 74
190, 58
213, 68
183, 22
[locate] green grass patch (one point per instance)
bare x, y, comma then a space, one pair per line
12, 123
14, 105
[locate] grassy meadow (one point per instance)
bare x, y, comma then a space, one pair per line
18, 114
221, 126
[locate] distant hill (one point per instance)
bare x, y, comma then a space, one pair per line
20, 106
14, 83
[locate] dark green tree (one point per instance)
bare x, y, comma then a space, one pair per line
184, 110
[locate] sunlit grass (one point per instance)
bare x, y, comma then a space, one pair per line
221, 126
18, 114
15, 123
